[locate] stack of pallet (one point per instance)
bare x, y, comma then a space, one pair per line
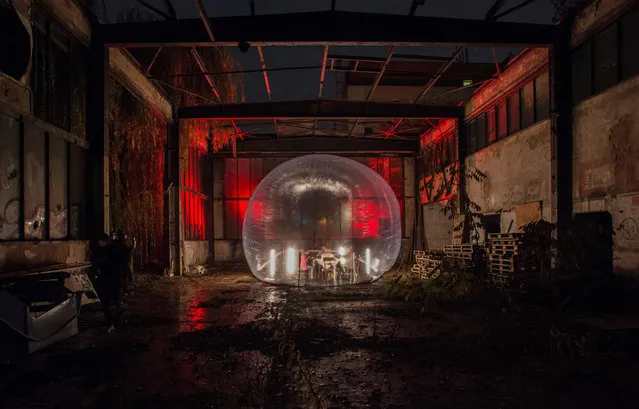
462, 252
506, 257
424, 266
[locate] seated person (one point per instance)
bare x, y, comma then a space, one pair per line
328, 261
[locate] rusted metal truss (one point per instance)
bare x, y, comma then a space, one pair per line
324, 144
326, 109
327, 28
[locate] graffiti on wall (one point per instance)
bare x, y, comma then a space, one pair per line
531, 192
628, 229
627, 223
9, 197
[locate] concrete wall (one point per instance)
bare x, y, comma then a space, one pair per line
15, 256
438, 228
518, 172
606, 146
15, 102
606, 165
196, 253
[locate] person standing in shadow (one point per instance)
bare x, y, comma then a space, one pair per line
108, 258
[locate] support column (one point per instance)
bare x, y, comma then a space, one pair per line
561, 114
172, 197
462, 196
98, 218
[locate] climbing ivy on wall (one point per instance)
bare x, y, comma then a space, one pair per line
137, 139
138, 135
440, 181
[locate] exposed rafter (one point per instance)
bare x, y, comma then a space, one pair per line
200, 62
205, 19
513, 9
325, 144
439, 74
321, 81
327, 28
326, 109
378, 78
267, 83
414, 5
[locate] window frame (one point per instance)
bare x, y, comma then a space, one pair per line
369, 161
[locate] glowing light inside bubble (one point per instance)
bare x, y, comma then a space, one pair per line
271, 265
317, 202
368, 261
290, 260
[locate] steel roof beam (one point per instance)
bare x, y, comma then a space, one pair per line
346, 28
326, 144
323, 109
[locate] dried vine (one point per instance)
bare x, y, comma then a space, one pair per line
178, 72
137, 138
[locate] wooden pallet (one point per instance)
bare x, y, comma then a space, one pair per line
426, 268
504, 246
458, 249
503, 252
504, 235
504, 242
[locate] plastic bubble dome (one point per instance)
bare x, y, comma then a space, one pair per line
321, 220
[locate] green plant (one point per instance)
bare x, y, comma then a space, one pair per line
452, 283
277, 318
567, 345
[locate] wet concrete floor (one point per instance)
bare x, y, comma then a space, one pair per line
208, 342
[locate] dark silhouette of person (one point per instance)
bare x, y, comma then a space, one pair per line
110, 258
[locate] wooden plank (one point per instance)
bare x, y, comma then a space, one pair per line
504, 235
527, 213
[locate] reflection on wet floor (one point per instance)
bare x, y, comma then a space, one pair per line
207, 343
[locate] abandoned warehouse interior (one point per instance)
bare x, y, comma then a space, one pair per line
492, 143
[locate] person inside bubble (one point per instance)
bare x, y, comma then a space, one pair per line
328, 263
304, 259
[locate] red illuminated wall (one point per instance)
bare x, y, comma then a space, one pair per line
242, 175
192, 198
438, 150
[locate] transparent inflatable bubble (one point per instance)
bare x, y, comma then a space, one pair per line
322, 220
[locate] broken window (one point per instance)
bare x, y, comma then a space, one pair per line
582, 72
481, 131
605, 53
472, 136
58, 76
513, 114
542, 101
527, 97
502, 121
491, 126
629, 27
